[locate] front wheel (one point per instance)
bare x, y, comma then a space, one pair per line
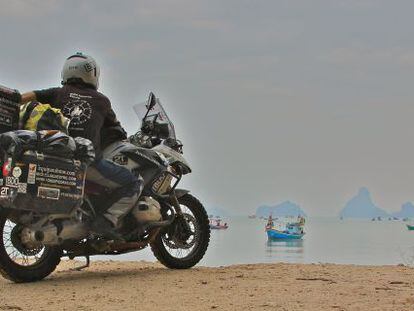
184, 243
19, 263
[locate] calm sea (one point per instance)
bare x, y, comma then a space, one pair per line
326, 241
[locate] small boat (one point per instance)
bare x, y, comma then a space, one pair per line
274, 234
293, 230
252, 216
410, 227
216, 224
225, 226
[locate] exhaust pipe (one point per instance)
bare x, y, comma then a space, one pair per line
52, 235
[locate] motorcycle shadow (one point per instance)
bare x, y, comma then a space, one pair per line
100, 272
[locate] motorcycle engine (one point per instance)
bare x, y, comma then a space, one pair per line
147, 210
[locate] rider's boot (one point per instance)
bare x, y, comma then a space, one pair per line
103, 226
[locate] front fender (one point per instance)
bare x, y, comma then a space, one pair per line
180, 192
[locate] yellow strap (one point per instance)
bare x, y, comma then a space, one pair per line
37, 114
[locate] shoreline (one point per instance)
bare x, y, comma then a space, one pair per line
128, 285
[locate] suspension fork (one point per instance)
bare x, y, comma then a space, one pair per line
177, 193
176, 204
172, 199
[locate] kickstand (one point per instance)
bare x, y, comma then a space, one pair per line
86, 265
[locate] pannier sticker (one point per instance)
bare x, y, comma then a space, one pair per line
17, 172
31, 175
56, 177
48, 193
4, 192
22, 188
12, 181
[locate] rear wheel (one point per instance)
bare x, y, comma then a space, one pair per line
184, 243
19, 263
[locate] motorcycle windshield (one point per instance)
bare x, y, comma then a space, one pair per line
157, 110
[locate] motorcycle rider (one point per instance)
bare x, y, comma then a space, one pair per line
92, 117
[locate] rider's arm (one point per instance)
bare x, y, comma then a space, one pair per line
47, 96
112, 130
111, 121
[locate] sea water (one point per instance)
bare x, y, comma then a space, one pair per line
365, 242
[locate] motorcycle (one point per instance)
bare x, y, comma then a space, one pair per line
172, 222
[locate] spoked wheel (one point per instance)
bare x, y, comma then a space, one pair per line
19, 263
184, 243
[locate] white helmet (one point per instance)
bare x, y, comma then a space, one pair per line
83, 67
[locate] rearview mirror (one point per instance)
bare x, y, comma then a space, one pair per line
150, 104
151, 101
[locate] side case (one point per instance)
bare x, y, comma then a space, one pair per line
45, 184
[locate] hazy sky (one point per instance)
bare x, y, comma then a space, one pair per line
274, 100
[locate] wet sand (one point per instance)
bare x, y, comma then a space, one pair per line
149, 286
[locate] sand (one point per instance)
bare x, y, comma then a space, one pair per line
149, 286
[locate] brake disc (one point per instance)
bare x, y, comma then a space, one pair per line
181, 232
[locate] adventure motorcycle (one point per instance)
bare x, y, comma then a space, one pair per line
36, 233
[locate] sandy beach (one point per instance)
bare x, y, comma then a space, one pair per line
149, 286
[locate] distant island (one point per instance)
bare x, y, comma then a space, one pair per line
284, 209
361, 206
407, 211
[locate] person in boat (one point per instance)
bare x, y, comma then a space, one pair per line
270, 222
301, 220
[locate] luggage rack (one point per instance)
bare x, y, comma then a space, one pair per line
41, 157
